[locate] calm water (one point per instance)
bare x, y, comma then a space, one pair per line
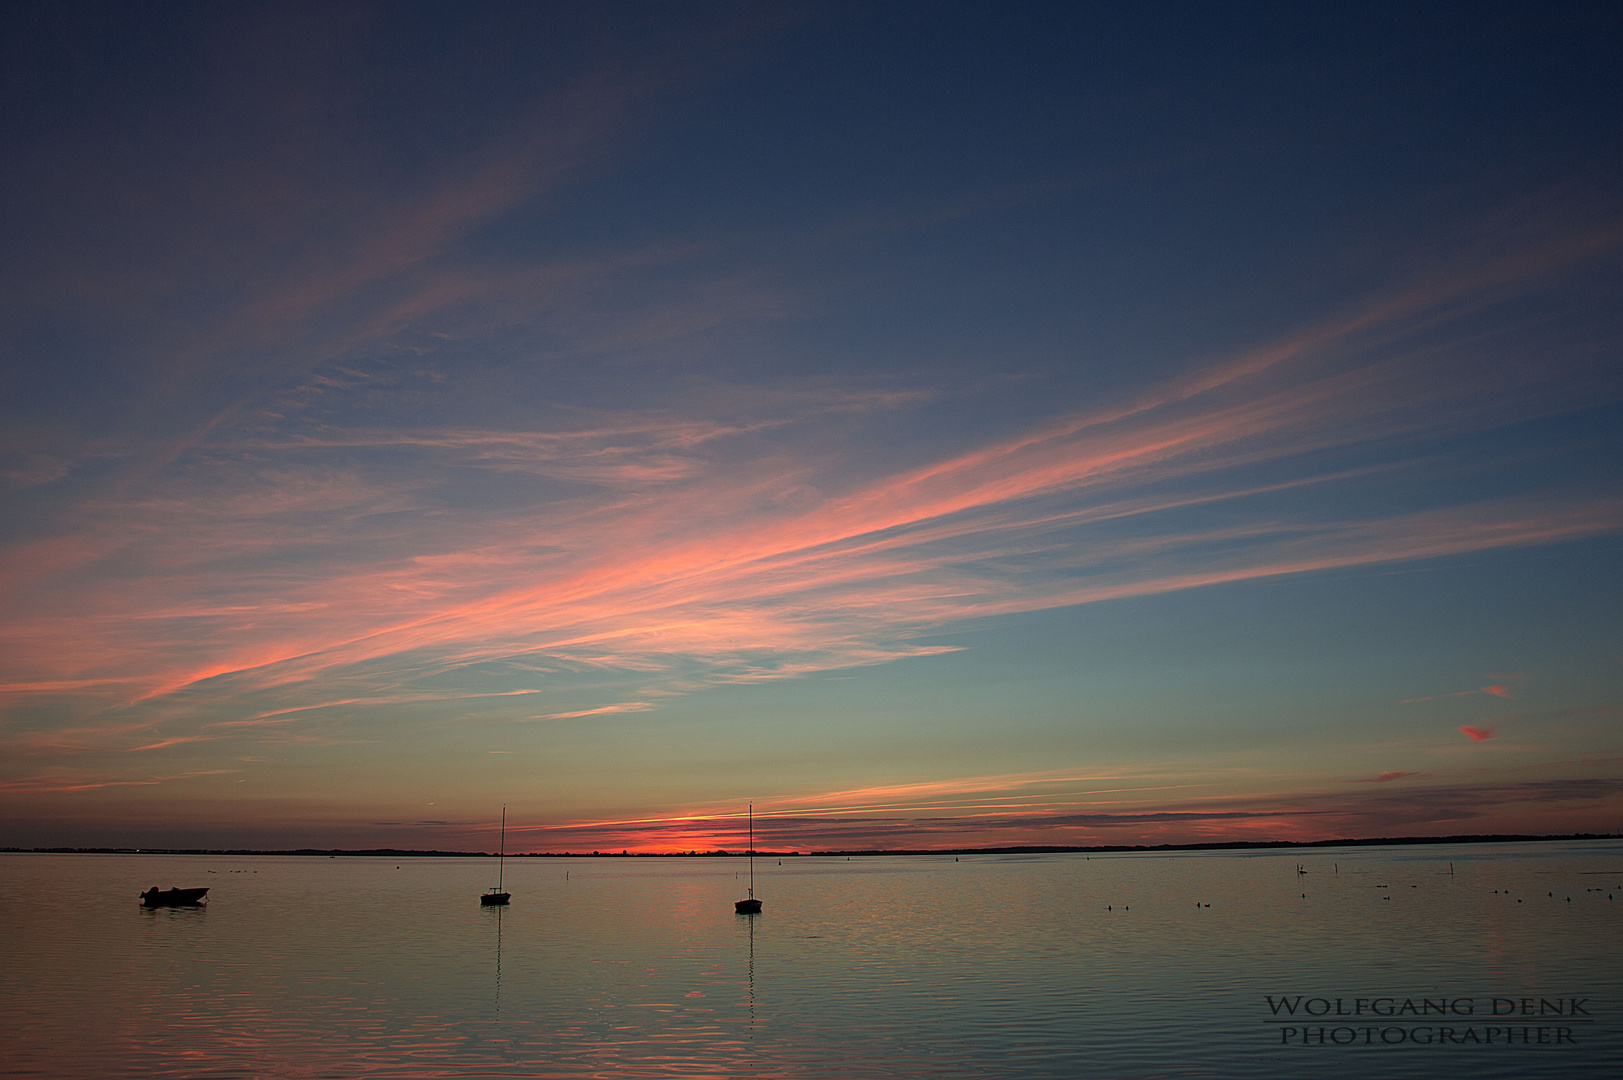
992, 966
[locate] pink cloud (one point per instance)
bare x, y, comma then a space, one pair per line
165, 743
1037, 809
671, 545
1386, 777
1476, 734
1496, 691
620, 707
56, 782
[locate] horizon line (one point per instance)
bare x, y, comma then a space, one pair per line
1013, 849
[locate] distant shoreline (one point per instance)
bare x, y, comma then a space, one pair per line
1026, 849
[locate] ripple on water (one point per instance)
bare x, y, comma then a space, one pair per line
1040, 966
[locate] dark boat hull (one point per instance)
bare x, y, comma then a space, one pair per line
494, 899
747, 907
173, 898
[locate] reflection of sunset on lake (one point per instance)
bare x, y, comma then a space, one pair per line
912, 966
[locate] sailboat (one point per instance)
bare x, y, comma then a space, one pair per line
751, 906
495, 897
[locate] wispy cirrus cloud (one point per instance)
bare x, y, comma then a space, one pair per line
1495, 691
60, 781
264, 568
1057, 809
701, 561
601, 710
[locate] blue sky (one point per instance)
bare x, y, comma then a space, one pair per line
941, 424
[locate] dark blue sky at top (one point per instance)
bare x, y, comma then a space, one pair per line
1137, 157
1065, 197
1071, 197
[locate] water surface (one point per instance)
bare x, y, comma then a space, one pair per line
902, 966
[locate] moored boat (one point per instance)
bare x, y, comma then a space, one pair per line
750, 906
495, 897
173, 898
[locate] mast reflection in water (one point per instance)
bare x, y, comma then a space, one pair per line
498, 916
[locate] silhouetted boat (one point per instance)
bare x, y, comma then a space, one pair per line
495, 897
751, 906
173, 898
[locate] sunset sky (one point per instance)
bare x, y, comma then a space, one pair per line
941, 424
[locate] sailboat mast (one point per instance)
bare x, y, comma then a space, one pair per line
751, 906
501, 851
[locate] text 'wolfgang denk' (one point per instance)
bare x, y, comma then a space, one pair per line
1428, 1021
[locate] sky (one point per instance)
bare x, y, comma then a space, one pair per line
937, 425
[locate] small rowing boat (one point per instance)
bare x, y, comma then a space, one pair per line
173, 898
